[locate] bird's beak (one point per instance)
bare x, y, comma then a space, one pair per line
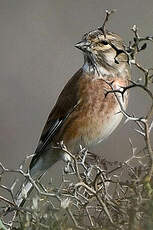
83, 45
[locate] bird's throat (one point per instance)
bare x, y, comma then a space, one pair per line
94, 68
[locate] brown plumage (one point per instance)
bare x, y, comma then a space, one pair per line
83, 114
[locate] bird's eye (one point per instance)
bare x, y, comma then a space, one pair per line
104, 42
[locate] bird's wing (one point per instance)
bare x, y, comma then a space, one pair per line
65, 105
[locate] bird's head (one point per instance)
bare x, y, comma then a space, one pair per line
103, 49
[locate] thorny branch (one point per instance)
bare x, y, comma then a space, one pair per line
131, 52
102, 28
95, 193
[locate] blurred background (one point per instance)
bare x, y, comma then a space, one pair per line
37, 58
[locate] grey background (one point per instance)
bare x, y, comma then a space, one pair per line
37, 57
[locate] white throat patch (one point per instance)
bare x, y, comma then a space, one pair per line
99, 70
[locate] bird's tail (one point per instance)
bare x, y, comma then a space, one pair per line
38, 167
23, 193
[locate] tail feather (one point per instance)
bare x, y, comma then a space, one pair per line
23, 193
38, 168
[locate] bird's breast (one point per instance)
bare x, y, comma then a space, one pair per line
98, 113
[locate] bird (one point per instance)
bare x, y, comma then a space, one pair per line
87, 110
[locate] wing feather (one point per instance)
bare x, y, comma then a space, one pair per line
65, 105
